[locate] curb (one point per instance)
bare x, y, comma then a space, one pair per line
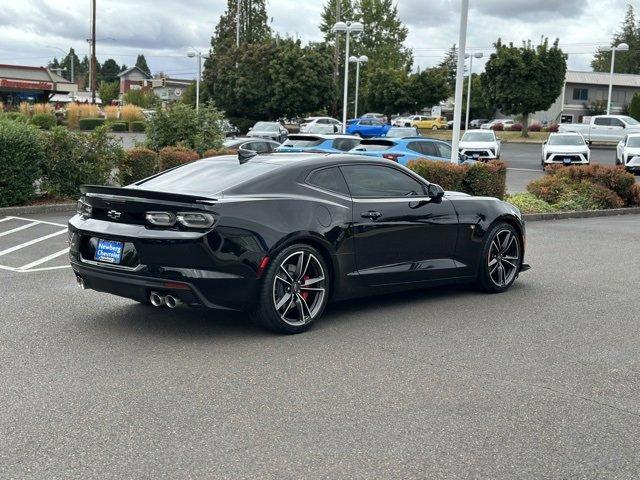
35, 209
536, 217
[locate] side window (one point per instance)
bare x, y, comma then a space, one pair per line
444, 149
616, 122
380, 181
329, 179
344, 144
429, 149
414, 146
260, 147
272, 146
602, 121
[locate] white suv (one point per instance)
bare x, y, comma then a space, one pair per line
628, 153
565, 149
324, 125
480, 145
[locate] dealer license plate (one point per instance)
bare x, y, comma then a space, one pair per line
109, 251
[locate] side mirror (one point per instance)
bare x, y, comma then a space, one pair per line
463, 157
435, 192
250, 128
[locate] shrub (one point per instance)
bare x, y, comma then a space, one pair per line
45, 121
141, 98
21, 156
75, 158
549, 188
25, 109
566, 193
486, 179
138, 126
553, 128
529, 203
535, 127
480, 179
216, 152
90, 123
498, 127
88, 110
15, 116
180, 124
634, 195
109, 91
614, 178
38, 108
111, 112
448, 175
119, 127
131, 113
173, 156
77, 111
516, 127
136, 164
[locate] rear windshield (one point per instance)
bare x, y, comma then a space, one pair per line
207, 177
302, 141
573, 140
630, 121
402, 132
374, 145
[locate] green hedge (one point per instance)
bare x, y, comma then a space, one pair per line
138, 126
15, 116
75, 158
173, 156
136, 164
90, 123
478, 179
45, 121
21, 156
119, 126
529, 203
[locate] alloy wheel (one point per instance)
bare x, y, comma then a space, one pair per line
299, 288
504, 258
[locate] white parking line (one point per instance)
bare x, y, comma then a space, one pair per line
17, 229
31, 242
33, 220
43, 259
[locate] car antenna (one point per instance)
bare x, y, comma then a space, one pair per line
244, 155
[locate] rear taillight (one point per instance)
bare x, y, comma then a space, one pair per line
83, 208
186, 219
161, 219
392, 156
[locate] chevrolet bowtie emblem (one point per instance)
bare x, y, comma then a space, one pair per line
114, 214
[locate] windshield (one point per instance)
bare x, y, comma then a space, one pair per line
633, 142
630, 121
571, 140
478, 137
266, 127
402, 132
206, 177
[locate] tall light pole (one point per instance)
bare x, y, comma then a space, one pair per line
470, 57
457, 108
197, 54
237, 23
357, 61
623, 47
348, 28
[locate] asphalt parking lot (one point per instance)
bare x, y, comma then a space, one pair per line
540, 382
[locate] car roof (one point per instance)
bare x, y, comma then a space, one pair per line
561, 134
633, 134
306, 159
326, 136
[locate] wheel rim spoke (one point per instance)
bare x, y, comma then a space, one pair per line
286, 282
285, 298
312, 281
312, 289
299, 266
508, 263
287, 273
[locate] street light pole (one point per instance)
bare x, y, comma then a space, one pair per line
197, 54
346, 27
623, 47
357, 61
476, 55
237, 23
457, 109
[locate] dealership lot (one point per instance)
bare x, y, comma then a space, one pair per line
541, 381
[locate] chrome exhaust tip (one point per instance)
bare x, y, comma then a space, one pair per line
80, 282
171, 301
156, 299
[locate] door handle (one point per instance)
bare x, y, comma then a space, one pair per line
371, 214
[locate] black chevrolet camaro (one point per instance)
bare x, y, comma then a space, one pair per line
281, 235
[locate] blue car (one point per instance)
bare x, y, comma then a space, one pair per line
367, 127
319, 143
402, 150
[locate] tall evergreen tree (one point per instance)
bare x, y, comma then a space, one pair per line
626, 62
449, 65
141, 63
335, 11
66, 64
109, 71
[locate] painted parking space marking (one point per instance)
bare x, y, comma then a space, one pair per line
37, 265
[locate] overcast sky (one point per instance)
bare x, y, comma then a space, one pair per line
164, 30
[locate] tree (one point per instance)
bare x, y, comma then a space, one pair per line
141, 63
523, 80
109, 91
387, 91
189, 95
109, 71
481, 106
66, 62
428, 88
626, 62
141, 98
449, 65
634, 106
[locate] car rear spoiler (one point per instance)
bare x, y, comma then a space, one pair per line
105, 191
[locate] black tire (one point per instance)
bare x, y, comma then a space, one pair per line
508, 258
304, 290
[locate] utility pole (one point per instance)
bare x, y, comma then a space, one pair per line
336, 57
93, 51
237, 23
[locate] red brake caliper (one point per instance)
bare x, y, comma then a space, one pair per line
304, 294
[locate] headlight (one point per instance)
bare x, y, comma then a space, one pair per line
83, 208
196, 219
